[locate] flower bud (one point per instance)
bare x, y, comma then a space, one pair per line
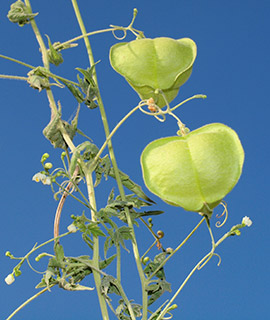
8, 254
169, 250
41, 255
174, 306
48, 165
145, 260
44, 157
160, 234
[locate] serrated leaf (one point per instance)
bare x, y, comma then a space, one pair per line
88, 86
156, 290
122, 311
131, 185
108, 286
121, 234
102, 168
152, 267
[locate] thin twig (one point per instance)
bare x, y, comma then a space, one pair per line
61, 203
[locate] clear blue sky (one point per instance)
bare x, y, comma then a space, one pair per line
232, 69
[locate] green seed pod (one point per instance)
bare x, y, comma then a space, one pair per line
150, 65
195, 171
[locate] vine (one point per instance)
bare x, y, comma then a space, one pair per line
177, 169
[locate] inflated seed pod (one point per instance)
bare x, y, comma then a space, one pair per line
195, 171
151, 64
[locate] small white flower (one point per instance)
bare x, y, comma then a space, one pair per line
9, 279
46, 180
246, 221
41, 177
72, 228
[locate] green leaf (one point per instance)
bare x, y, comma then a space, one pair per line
88, 86
87, 226
108, 286
75, 91
131, 185
195, 171
154, 265
103, 168
38, 82
151, 267
122, 311
104, 263
149, 65
149, 213
160, 257
54, 135
59, 252
121, 234
155, 290
55, 57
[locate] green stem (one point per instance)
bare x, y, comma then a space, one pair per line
35, 248
198, 266
4, 76
118, 263
108, 139
72, 147
39, 38
82, 36
28, 301
55, 76
196, 96
45, 58
161, 316
90, 187
17, 61
152, 245
125, 298
97, 278
113, 160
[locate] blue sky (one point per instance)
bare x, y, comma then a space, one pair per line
231, 68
